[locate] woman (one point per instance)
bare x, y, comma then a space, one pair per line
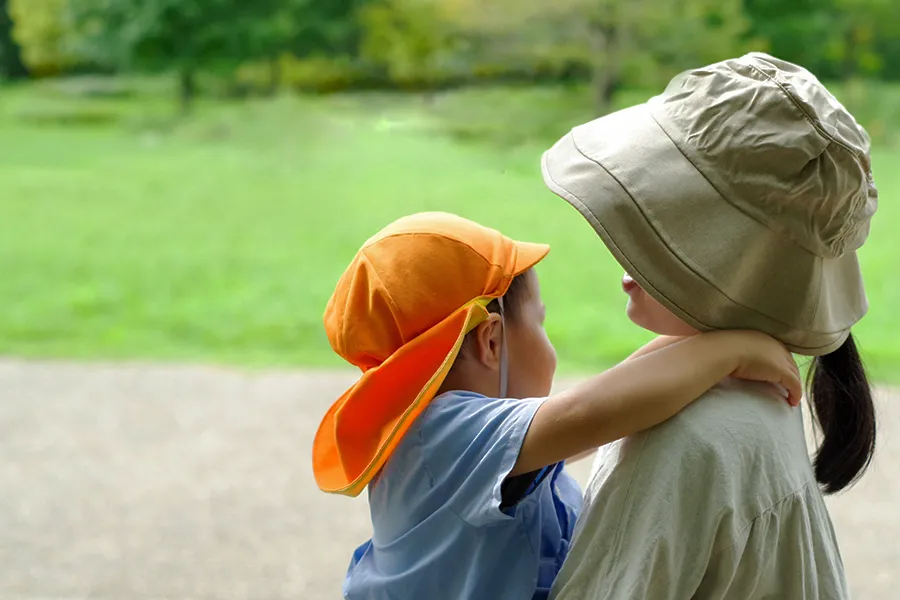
737, 199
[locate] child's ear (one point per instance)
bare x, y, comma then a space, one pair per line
488, 339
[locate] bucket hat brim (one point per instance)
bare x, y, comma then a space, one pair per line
711, 264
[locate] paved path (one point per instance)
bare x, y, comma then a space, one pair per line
152, 482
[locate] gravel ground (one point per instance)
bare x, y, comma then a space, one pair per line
190, 482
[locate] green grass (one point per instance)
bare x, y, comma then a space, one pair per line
220, 238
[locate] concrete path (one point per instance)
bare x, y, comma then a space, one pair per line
152, 482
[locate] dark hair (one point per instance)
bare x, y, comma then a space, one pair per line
512, 301
842, 404
514, 296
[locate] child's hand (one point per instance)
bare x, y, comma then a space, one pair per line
763, 358
640, 393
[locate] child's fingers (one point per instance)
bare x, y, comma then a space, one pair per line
791, 381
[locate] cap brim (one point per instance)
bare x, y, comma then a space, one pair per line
361, 430
528, 254
709, 263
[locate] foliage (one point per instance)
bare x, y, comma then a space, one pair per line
167, 34
325, 27
42, 29
441, 43
189, 36
834, 38
315, 52
11, 66
409, 40
800, 30
863, 29
181, 35
638, 42
316, 73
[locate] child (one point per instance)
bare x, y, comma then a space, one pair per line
451, 427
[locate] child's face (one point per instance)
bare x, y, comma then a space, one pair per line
644, 311
532, 358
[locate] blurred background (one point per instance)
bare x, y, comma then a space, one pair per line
183, 181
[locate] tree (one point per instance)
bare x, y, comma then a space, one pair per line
410, 40
184, 36
833, 38
807, 32
328, 27
861, 27
11, 65
43, 33
649, 41
635, 41
317, 29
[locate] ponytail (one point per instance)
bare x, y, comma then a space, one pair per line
842, 404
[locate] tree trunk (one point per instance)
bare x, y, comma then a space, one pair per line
187, 89
274, 75
607, 65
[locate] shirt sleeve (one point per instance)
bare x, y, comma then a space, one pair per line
519, 486
470, 444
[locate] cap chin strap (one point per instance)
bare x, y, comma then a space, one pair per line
504, 371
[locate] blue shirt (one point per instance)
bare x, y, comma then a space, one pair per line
438, 529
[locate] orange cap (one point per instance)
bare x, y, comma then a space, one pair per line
400, 312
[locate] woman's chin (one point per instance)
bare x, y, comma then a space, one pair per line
646, 312
660, 324
636, 315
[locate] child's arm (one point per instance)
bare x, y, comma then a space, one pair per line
645, 391
654, 345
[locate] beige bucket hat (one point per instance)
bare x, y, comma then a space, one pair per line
737, 199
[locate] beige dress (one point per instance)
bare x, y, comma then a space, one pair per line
719, 502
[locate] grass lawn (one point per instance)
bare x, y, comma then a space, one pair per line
220, 239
